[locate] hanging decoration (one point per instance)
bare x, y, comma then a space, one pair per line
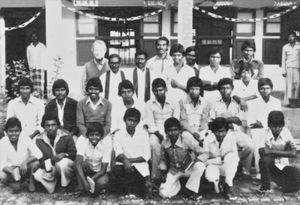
134, 18
25, 23
213, 15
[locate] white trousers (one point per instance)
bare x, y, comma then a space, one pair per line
172, 185
292, 84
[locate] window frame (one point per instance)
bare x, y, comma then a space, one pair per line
251, 23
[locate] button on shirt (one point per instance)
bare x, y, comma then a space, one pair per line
95, 155
174, 155
133, 147
290, 56
157, 65
25, 149
155, 114
193, 118
30, 114
259, 110
284, 137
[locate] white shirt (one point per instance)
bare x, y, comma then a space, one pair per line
36, 55
259, 110
61, 112
155, 115
30, 114
25, 149
118, 110
206, 73
115, 79
242, 90
220, 109
284, 137
181, 77
92, 105
97, 155
134, 146
157, 65
290, 56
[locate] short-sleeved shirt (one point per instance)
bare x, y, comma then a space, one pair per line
95, 155
220, 109
25, 149
157, 65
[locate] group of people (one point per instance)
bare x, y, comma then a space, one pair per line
144, 131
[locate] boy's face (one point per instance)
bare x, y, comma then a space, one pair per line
246, 75
51, 128
13, 134
60, 93
126, 94
25, 91
194, 92
248, 53
173, 133
98, 51
276, 129
140, 61
161, 47
215, 59
291, 38
265, 90
95, 137
114, 64
159, 93
177, 58
220, 134
226, 90
191, 58
131, 123
93, 92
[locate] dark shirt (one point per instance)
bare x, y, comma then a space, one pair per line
256, 66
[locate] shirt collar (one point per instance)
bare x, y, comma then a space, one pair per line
31, 99
99, 63
60, 133
167, 101
167, 57
189, 99
100, 101
64, 103
179, 142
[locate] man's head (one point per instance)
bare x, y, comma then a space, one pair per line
292, 37
34, 37
50, 123
159, 89
13, 129
94, 132
265, 87
161, 45
248, 48
25, 87
219, 127
191, 55
172, 128
177, 53
246, 72
99, 49
93, 88
126, 90
276, 122
141, 59
225, 86
215, 56
193, 87
60, 89
114, 61
132, 118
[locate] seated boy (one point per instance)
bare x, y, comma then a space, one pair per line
177, 162
132, 148
93, 158
18, 157
220, 155
274, 163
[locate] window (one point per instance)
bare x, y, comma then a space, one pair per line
245, 28
85, 26
174, 22
272, 26
152, 25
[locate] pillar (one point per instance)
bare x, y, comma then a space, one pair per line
185, 22
2, 54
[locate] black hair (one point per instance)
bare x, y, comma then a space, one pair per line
215, 50
12, 122
162, 38
114, 55
94, 127
218, 123
25, 82
248, 44
60, 83
132, 112
158, 82
225, 81
193, 82
171, 122
126, 84
177, 47
190, 49
141, 52
50, 116
95, 82
292, 32
276, 118
265, 81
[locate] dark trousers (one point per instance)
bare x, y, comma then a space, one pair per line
127, 182
288, 178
